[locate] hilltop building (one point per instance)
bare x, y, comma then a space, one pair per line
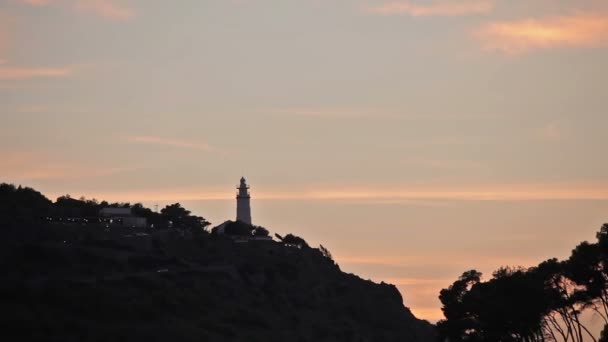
242, 230
243, 208
123, 216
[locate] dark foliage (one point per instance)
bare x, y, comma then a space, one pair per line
75, 282
325, 252
22, 204
260, 231
294, 240
542, 303
182, 218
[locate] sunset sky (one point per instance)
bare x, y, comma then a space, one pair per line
413, 139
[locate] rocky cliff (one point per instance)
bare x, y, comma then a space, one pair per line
168, 287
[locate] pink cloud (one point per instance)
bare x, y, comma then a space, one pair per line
403, 260
8, 73
105, 8
28, 167
579, 30
110, 9
37, 2
434, 8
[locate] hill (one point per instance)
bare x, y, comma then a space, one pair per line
77, 281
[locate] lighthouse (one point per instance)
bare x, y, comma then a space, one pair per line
243, 209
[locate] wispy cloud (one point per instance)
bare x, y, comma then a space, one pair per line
110, 9
498, 192
11, 73
513, 37
430, 260
105, 8
339, 113
383, 194
28, 167
331, 113
37, 2
151, 140
434, 8
34, 108
441, 164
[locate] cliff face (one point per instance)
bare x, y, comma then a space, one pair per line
170, 288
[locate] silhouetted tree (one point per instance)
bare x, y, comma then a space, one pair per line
586, 269
175, 212
181, 218
459, 325
239, 228
542, 303
260, 231
325, 252
23, 203
295, 240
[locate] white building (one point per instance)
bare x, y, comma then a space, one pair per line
243, 213
243, 207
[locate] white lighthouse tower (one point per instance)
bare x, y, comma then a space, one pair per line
243, 209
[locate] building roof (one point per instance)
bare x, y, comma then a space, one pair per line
119, 212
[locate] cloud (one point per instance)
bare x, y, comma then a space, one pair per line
497, 192
429, 260
150, 140
177, 143
339, 113
27, 167
9, 73
440, 164
513, 37
110, 9
435, 8
333, 113
106, 9
37, 2
382, 194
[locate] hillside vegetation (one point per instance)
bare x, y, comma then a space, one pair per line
83, 280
